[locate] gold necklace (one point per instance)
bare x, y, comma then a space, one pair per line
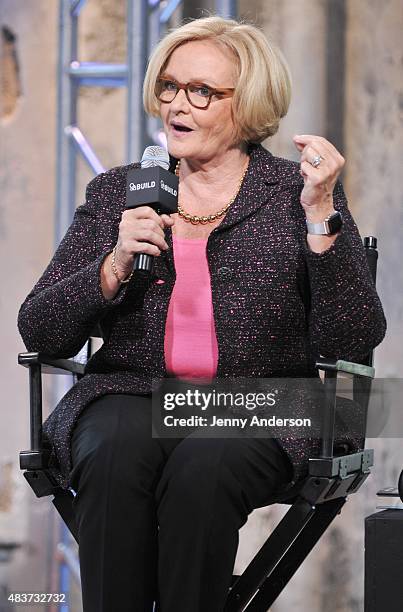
195, 219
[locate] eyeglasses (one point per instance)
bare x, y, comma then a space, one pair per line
198, 94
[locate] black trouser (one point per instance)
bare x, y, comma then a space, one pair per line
158, 518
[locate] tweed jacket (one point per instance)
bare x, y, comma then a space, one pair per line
277, 305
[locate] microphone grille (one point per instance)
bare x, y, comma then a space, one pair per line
155, 156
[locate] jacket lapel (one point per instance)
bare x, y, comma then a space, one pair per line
261, 184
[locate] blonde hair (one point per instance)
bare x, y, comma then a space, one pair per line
263, 88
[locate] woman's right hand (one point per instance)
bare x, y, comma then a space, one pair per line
141, 230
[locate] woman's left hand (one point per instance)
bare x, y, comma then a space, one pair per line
317, 193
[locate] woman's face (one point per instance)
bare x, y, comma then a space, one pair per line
212, 129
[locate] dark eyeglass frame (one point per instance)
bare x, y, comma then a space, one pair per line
226, 92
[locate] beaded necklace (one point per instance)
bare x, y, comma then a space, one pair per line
195, 219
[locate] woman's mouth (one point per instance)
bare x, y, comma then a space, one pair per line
180, 130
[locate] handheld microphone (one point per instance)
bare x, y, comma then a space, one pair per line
152, 185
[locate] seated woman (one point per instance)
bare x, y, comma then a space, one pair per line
257, 288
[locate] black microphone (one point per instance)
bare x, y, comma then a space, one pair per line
152, 185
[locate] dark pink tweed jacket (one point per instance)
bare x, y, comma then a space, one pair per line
277, 305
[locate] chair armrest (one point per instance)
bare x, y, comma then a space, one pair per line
349, 367
36, 458
342, 466
51, 365
332, 367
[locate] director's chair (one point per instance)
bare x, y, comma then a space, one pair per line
315, 500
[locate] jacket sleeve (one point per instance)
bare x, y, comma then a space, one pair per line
60, 312
346, 317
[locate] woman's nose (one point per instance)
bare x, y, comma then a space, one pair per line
180, 100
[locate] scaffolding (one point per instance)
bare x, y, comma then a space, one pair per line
146, 22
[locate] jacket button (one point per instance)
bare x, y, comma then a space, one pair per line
224, 273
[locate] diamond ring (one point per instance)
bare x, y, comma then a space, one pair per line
316, 161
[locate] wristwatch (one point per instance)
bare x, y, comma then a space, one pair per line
328, 227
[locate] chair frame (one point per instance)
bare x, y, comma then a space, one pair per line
315, 501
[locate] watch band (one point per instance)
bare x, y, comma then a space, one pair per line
329, 226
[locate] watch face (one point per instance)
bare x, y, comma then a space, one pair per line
334, 222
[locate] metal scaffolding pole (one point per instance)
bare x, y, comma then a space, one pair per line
66, 115
227, 8
137, 45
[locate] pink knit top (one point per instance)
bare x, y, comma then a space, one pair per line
190, 344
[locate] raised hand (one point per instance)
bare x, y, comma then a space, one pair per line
321, 164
